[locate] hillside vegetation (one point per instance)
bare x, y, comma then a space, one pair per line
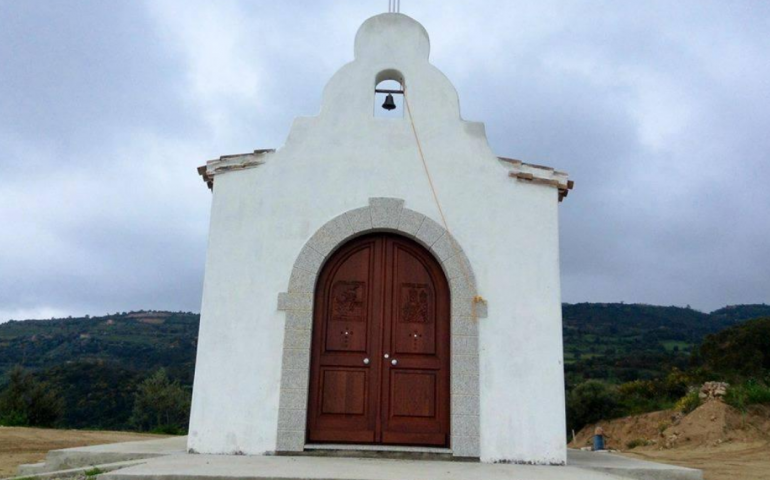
619, 342
98, 366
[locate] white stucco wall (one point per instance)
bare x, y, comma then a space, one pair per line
261, 217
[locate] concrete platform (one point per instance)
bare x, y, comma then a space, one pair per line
211, 467
80, 457
165, 459
583, 466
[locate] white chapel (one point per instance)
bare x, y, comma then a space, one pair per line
382, 281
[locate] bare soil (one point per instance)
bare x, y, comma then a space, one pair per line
737, 461
20, 445
716, 438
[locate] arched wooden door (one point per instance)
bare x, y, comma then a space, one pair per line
380, 350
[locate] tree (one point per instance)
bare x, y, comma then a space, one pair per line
590, 402
742, 350
26, 401
161, 405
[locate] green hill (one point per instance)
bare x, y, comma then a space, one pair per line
137, 341
623, 342
98, 362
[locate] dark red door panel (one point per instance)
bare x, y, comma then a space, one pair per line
380, 354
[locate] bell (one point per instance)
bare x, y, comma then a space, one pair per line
389, 103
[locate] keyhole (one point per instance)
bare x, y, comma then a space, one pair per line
346, 334
415, 336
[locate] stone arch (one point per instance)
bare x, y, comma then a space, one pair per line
382, 214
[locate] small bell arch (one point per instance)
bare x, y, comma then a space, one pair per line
389, 94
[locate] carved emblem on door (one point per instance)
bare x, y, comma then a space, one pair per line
349, 301
415, 303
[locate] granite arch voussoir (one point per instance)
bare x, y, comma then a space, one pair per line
388, 215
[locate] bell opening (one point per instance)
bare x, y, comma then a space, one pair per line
389, 99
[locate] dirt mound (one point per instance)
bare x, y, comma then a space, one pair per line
712, 424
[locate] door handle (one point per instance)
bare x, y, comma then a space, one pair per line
366, 361
387, 355
394, 362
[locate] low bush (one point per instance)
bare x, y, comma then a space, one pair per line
688, 403
590, 402
748, 393
638, 442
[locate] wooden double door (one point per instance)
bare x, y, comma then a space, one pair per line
380, 348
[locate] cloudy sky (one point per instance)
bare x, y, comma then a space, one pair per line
660, 111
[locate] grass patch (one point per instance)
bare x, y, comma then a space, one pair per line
680, 346
92, 472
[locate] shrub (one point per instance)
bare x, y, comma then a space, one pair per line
642, 396
638, 442
26, 401
590, 402
749, 393
688, 403
677, 383
161, 405
743, 349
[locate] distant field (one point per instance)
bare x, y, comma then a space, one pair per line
29, 445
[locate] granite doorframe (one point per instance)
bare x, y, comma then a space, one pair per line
382, 215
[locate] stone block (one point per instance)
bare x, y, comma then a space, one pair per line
386, 212
309, 259
462, 345
465, 425
465, 405
464, 384
289, 441
297, 339
462, 299
295, 400
296, 358
446, 247
464, 326
468, 447
291, 420
386, 202
429, 232
299, 319
301, 281
360, 219
328, 237
458, 267
295, 301
295, 379
410, 221
482, 309
465, 364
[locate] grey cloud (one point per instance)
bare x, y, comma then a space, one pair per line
659, 111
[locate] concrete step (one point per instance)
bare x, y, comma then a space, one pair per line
31, 468
71, 458
75, 472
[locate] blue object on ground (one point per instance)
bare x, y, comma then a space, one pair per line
598, 442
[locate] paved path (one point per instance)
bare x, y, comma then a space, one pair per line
164, 459
205, 467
